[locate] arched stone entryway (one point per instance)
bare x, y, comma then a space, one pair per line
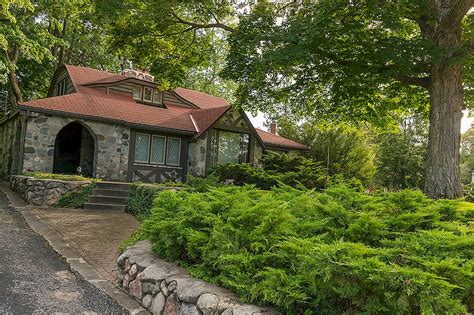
75, 146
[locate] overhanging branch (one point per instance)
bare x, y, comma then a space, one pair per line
423, 81
195, 25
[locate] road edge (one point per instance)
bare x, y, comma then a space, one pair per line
75, 261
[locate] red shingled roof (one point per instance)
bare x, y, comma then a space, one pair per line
272, 140
122, 109
92, 103
201, 99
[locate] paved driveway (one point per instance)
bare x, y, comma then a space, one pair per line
34, 278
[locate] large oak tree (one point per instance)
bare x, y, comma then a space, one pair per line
361, 60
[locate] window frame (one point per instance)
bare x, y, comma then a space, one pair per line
179, 151
151, 94
217, 144
141, 92
160, 94
165, 145
135, 148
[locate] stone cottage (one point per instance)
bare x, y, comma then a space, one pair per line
122, 127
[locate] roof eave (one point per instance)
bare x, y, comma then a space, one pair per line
107, 120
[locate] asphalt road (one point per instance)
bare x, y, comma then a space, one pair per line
35, 280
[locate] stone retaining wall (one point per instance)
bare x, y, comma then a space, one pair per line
43, 192
163, 288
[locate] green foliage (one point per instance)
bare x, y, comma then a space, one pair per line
141, 198
137, 236
276, 169
335, 252
401, 157
467, 156
344, 150
65, 177
76, 199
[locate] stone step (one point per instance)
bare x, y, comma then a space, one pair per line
110, 193
104, 207
113, 185
109, 200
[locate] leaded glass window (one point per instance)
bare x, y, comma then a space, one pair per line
173, 151
142, 144
156, 96
157, 150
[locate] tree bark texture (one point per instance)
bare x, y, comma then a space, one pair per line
443, 179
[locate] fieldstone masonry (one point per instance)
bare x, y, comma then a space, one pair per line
197, 156
112, 145
43, 192
163, 288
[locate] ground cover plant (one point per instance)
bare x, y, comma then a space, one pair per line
76, 199
65, 177
338, 251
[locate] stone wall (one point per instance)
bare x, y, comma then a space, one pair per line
163, 288
10, 135
43, 192
197, 156
112, 145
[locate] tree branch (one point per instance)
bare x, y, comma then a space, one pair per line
202, 26
423, 81
455, 13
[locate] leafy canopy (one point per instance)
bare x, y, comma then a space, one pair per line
337, 60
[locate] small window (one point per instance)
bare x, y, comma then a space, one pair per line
142, 148
157, 150
137, 92
147, 94
173, 151
157, 96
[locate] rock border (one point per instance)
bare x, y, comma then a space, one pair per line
164, 288
43, 192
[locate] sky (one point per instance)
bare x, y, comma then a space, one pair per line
259, 120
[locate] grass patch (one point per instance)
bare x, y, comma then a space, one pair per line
64, 177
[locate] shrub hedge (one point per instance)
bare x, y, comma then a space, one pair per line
336, 252
276, 169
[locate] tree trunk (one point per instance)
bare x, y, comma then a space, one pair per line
443, 178
15, 88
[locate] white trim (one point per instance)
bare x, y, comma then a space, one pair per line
194, 123
151, 94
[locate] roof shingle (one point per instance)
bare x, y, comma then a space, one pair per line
278, 141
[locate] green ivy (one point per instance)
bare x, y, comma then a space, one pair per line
76, 199
334, 252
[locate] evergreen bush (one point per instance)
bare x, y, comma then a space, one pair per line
336, 252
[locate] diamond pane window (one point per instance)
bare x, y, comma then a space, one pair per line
173, 151
142, 144
157, 150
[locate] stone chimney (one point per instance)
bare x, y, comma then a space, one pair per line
274, 128
138, 74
